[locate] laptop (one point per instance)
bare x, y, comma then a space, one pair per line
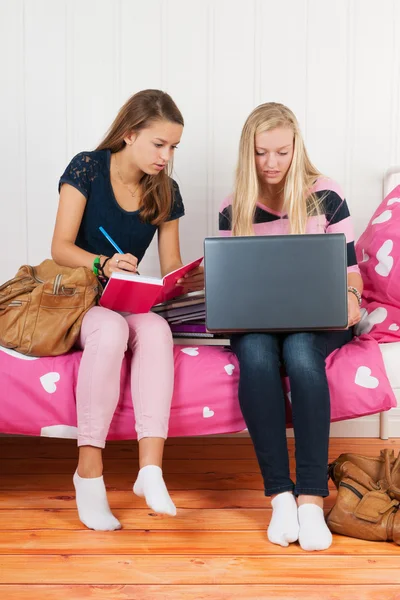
276, 283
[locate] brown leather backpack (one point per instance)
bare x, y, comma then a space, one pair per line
368, 500
42, 308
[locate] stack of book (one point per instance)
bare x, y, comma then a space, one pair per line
184, 308
186, 317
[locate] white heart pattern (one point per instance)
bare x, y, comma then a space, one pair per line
229, 368
364, 378
207, 412
392, 201
190, 351
49, 381
383, 217
368, 321
17, 354
289, 395
385, 261
60, 431
394, 327
365, 256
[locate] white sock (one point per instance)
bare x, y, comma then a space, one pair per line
284, 526
150, 486
93, 507
314, 533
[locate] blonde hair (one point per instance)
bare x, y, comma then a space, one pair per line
299, 203
139, 112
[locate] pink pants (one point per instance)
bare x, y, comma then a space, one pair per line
105, 336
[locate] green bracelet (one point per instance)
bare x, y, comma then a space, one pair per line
96, 264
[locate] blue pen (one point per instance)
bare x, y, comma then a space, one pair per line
104, 232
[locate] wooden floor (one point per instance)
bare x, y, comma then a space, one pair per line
216, 548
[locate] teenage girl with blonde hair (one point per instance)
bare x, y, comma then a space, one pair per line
279, 191
125, 187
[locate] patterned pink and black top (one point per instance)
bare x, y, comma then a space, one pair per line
335, 218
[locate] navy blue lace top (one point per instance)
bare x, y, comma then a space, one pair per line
89, 172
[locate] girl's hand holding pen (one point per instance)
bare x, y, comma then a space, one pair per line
120, 263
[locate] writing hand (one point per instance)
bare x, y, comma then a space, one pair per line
120, 263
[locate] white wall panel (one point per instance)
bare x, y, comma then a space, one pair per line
395, 78
92, 75
13, 231
141, 45
283, 66
231, 94
46, 126
327, 77
370, 127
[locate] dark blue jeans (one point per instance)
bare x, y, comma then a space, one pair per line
262, 401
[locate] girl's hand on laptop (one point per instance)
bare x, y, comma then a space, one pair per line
192, 281
354, 310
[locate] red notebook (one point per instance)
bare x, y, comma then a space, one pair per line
128, 292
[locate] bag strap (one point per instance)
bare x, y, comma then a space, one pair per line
13, 281
15, 293
389, 471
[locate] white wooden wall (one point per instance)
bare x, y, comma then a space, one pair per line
66, 67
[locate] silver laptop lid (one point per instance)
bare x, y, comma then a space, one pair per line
276, 283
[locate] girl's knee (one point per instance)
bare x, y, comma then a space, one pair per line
303, 351
304, 357
149, 326
115, 328
108, 328
256, 349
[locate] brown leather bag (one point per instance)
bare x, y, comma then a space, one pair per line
42, 308
368, 500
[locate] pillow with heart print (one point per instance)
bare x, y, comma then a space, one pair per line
378, 254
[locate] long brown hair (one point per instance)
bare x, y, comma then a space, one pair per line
137, 113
